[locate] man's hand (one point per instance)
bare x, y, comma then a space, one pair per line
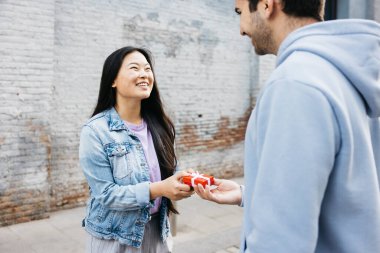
227, 192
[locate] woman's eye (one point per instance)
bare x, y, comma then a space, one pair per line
135, 68
148, 69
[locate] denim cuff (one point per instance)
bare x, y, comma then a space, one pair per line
142, 193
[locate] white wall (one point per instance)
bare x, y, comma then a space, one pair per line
52, 56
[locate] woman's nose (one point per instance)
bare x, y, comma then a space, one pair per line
143, 73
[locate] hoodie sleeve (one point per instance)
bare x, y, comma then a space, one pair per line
297, 140
97, 170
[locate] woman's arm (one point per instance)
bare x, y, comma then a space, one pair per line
98, 172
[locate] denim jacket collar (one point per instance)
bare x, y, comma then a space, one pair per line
115, 123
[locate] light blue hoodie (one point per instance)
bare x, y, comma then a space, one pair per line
312, 148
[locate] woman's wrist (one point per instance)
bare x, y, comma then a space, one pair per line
155, 190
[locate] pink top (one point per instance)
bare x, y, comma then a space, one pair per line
142, 132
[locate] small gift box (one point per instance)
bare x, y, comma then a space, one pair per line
197, 178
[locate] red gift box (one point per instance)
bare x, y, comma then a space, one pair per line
197, 178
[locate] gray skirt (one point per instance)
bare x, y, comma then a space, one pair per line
151, 243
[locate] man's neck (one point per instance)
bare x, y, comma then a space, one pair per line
284, 25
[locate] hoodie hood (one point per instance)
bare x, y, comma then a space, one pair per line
352, 46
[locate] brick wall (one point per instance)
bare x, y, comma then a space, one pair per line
26, 76
52, 57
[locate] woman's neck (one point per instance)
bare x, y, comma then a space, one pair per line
130, 111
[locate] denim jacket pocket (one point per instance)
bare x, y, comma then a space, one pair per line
118, 156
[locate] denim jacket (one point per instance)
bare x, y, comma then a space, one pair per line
115, 166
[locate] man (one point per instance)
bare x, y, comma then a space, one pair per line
312, 147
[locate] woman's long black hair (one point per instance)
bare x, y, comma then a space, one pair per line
152, 111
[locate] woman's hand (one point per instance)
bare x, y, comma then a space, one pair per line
171, 187
227, 192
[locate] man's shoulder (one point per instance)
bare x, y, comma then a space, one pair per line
305, 65
306, 69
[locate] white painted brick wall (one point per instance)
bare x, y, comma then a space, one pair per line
52, 57
26, 75
201, 78
52, 54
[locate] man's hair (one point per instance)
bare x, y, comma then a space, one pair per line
298, 8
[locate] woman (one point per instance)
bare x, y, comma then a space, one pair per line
127, 155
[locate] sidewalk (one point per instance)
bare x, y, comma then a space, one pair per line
202, 227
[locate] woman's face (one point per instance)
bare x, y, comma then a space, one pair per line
135, 78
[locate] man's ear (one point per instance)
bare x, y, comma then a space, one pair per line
269, 8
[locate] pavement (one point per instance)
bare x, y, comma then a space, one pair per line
201, 227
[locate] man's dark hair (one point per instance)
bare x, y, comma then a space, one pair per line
298, 8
